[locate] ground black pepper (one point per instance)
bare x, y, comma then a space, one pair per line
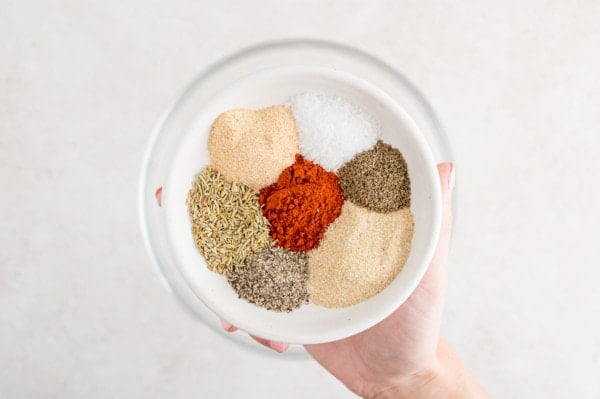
273, 278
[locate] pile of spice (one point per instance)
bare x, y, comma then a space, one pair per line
253, 147
360, 255
300, 206
227, 221
377, 179
332, 130
302, 203
273, 278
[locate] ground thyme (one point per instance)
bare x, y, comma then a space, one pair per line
377, 179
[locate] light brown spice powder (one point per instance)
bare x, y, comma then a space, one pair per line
360, 254
253, 146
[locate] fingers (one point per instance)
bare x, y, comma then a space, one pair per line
276, 346
227, 326
447, 177
158, 196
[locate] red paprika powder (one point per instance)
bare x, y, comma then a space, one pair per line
301, 204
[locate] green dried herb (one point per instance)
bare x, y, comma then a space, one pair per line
227, 221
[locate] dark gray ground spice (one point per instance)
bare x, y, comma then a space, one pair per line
273, 278
377, 179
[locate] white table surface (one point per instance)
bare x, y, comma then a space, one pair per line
516, 85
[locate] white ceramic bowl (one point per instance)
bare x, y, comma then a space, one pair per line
179, 150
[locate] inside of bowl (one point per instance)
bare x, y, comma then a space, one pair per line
310, 323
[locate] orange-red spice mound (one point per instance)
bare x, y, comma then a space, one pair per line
301, 204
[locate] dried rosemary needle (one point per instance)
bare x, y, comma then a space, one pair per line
227, 222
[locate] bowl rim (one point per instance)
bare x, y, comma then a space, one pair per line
206, 73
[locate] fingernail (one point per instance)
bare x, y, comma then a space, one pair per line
278, 347
452, 178
158, 196
228, 327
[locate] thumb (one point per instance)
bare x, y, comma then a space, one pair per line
446, 172
436, 277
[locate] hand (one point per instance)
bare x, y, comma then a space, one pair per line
403, 355
405, 343
276, 346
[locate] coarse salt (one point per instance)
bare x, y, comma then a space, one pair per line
331, 131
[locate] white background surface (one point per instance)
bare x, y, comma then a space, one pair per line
515, 84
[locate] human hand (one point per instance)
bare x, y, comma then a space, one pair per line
403, 355
406, 342
276, 346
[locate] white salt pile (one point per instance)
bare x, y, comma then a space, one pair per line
331, 131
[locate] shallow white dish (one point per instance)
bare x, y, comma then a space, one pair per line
168, 232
